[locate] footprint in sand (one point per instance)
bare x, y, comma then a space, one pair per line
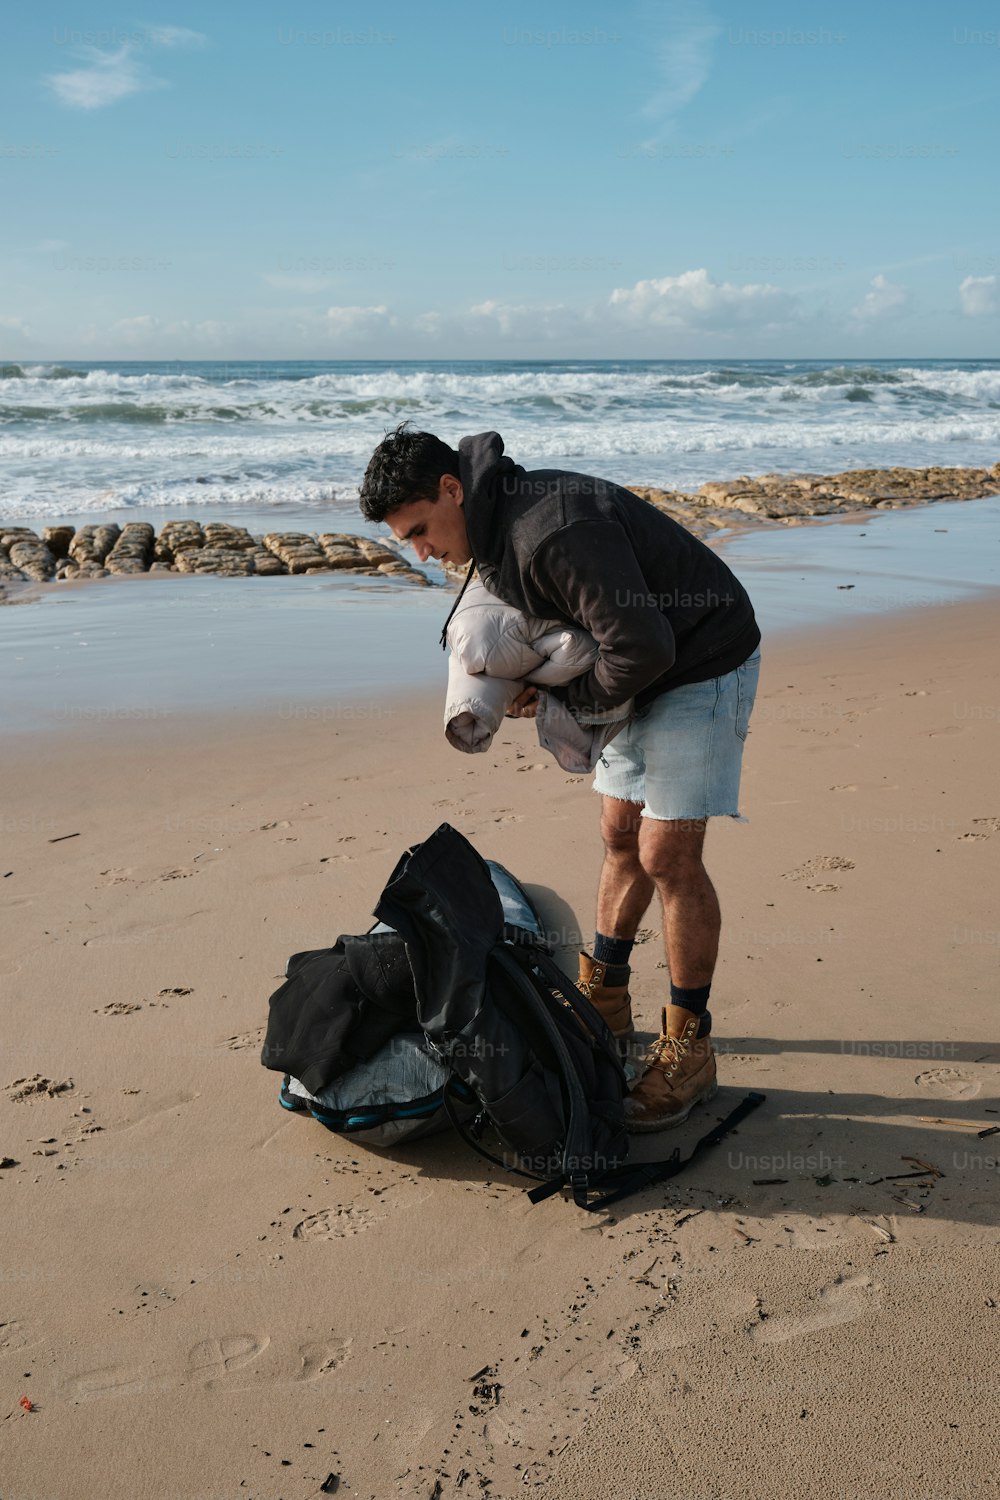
842, 1301
245, 1040
110, 1380
26, 1090
321, 1356
948, 1083
212, 1359
845, 786
117, 877
169, 1102
335, 1223
536, 765
212, 1362
147, 933
818, 866
984, 828
117, 1008
178, 874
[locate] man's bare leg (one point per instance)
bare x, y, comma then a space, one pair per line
623, 894
625, 889
679, 1071
670, 854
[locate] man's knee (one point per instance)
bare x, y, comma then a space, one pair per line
671, 852
620, 825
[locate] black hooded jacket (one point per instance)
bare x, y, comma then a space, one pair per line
663, 608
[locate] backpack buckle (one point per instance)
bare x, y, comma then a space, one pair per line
580, 1184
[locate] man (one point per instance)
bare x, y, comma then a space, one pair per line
676, 632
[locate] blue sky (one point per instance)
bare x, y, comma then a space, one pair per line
675, 180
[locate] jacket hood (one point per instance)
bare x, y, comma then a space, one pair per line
481, 465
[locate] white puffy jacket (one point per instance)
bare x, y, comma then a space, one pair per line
496, 651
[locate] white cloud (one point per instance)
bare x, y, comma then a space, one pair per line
885, 300
684, 56
16, 326
352, 323
108, 77
980, 296
524, 320
692, 300
52, 247
142, 323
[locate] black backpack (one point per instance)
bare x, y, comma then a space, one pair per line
453, 1009
516, 1031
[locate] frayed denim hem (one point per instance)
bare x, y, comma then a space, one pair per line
691, 817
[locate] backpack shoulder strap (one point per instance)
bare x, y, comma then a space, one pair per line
630, 1179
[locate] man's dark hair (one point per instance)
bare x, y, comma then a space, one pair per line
406, 466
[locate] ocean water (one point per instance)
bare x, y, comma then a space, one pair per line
286, 443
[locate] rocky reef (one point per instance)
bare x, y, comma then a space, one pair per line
190, 547
62, 552
793, 499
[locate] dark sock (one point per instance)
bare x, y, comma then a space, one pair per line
611, 950
696, 1001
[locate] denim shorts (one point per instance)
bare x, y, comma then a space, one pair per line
681, 755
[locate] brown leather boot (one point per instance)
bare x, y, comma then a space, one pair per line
679, 1073
612, 1002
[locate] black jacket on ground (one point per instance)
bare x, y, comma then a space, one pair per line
338, 1007
663, 608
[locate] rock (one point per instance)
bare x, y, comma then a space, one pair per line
343, 551
223, 561
230, 538
297, 549
265, 562
177, 536
34, 559
377, 553
700, 520
11, 534
58, 538
91, 544
10, 574
133, 550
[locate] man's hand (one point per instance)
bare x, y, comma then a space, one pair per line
525, 705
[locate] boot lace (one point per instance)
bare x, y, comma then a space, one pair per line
668, 1052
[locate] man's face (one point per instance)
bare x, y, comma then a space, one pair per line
435, 528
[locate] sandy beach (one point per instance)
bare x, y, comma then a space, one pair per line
206, 1299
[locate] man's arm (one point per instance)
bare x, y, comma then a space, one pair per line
589, 571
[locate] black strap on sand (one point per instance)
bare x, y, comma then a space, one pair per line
630, 1179
465, 585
